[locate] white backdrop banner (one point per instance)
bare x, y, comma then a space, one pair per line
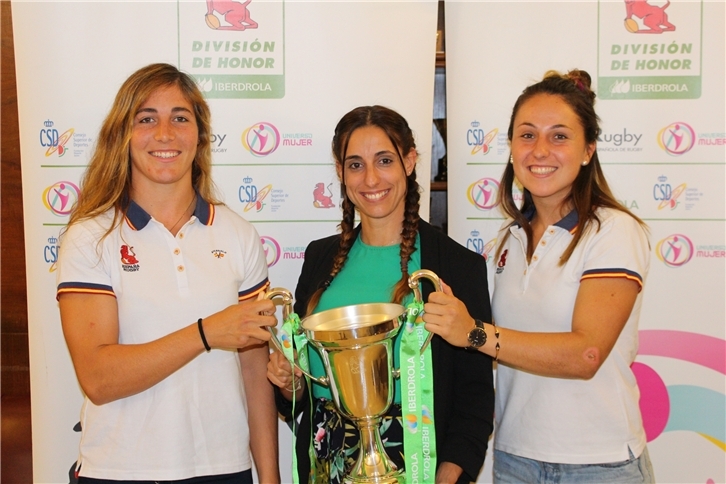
662, 146
278, 76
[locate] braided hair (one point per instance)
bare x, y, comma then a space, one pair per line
401, 136
590, 189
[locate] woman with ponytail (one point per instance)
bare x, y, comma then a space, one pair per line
570, 265
375, 157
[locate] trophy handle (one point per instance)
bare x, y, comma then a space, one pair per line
414, 284
283, 297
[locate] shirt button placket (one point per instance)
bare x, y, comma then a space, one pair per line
181, 271
179, 260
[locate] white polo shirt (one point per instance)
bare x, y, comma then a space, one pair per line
560, 420
194, 422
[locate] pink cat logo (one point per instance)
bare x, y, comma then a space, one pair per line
236, 14
653, 17
321, 200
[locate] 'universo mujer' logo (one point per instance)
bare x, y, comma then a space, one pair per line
483, 193
412, 421
676, 138
261, 139
675, 250
60, 197
272, 250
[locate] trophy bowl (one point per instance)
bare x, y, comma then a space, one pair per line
356, 344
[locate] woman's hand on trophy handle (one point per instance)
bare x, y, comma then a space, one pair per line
240, 325
448, 317
280, 373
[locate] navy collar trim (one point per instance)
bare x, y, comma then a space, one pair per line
569, 222
137, 218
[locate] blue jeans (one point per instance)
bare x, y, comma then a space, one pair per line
510, 469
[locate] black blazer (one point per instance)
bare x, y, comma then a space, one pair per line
463, 381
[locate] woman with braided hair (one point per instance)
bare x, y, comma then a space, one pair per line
570, 266
375, 157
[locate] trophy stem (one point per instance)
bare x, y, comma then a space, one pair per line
373, 464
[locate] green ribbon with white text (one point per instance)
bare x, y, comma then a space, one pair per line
417, 399
291, 339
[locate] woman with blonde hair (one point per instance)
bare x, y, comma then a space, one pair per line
157, 289
107, 181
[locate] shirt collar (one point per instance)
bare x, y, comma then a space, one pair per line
569, 222
137, 218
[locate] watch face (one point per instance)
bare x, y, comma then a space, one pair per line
477, 337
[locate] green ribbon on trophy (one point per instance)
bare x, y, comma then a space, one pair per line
292, 338
417, 398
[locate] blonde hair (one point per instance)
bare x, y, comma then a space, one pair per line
106, 183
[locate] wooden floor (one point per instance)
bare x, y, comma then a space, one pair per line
17, 458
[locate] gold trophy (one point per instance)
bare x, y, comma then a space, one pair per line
356, 344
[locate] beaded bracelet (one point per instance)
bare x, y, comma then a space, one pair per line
496, 348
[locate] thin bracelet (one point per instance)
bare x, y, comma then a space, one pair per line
201, 333
496, 334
